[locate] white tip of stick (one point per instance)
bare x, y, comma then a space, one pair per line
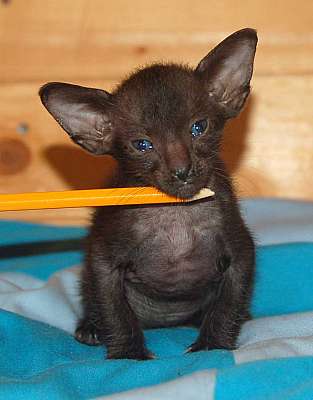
202, 194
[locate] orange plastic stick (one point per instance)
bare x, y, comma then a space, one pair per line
88, 198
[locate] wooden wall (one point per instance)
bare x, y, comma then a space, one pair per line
269, 149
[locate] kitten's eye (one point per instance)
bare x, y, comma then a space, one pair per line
198, 127
142, 145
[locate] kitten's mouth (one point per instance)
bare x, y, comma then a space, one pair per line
180, 189
187, 190
184, 191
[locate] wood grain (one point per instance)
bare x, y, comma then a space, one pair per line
66, 40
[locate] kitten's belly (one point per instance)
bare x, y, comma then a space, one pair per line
172, 278
153, 313
178, 260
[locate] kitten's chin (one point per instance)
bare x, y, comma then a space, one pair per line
185, 191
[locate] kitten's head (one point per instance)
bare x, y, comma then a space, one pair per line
163, 124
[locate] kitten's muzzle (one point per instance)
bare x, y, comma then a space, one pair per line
182, 173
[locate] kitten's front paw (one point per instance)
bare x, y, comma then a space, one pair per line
196, 346
88, 334
199, 345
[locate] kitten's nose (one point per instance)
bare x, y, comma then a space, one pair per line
181, 173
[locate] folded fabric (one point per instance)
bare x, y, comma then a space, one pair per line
39, 297
279, 221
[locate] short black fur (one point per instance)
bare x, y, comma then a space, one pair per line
155, 266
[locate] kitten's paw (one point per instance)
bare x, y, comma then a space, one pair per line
88, 334
199, 345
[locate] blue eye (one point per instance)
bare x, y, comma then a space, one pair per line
198, 127
142, 145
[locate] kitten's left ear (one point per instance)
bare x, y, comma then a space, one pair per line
83, 114
228, 68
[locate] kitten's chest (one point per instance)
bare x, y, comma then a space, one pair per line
180, 229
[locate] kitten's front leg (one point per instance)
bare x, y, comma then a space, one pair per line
224, 316
108, 318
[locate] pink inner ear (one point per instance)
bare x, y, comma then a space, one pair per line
228, 68
82, 113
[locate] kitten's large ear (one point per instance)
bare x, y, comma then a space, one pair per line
82, 113
228, 68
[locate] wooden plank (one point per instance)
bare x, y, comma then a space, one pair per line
86, 40
68, 216
268, 148
272, 155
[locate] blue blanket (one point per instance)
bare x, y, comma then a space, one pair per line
39, 268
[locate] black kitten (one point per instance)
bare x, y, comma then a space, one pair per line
155, 266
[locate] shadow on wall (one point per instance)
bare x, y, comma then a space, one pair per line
79, 169
235, 138
248, 180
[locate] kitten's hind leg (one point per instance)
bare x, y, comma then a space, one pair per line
224, 316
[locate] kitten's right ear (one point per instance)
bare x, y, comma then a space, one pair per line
82, 113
